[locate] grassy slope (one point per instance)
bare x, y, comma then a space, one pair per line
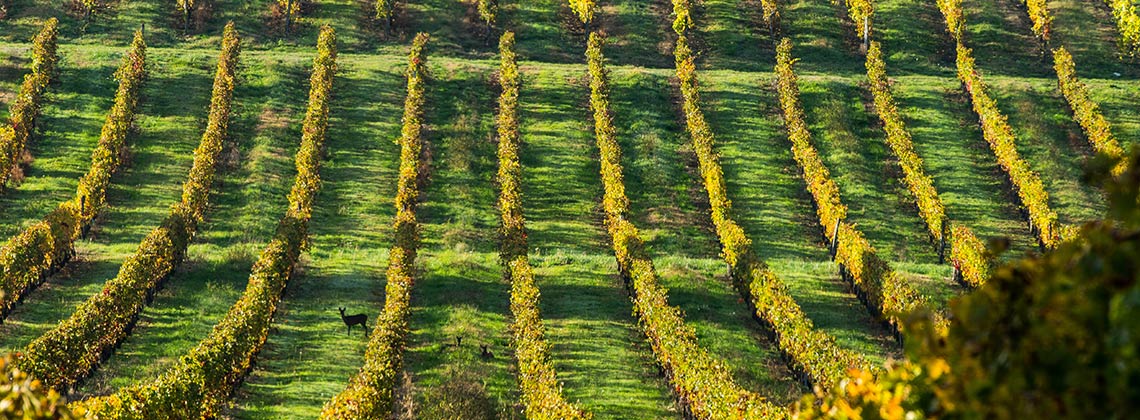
13, 65
265, 130
775, 210
141, 192
310, 355
942, 124
461, 291
598, 351
592, 336
669, 206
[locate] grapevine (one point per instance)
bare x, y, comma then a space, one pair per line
371, 392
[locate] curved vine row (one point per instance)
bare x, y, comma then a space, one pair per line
27, 258
967, 252
700, 381
999, 135
885, 292
25, 110
541, 393
813, 355
73, 349
1043, 221
1085, 110
202, 380
1128, 24
371, 392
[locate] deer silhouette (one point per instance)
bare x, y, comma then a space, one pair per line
486, 354
358, 319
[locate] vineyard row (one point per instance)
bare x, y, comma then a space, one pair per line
200, 383
886, 292
25, 110
997, 132
44, 247
371, 391
701, 382
813, 355
73, 349
967, 253
541, 393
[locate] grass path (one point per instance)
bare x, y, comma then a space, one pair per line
461, 292
598, 350
140, 194
584, 304
776, 212
965, 173
309, 356
252, 171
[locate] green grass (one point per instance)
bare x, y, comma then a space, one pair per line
461, 291
309, 356
1053, 144
771, 204
73, 113
561, 198
600, 355
253, 181
142, 190
966, 174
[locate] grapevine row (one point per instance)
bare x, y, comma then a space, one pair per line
200, 383
73, 349
997, 132
861, 12
371, 392
966, 251
385, 11
24, 111
930, 206
1041, 18
541, 394
27, 258
702, 382
884, 290
971, 262
1085, 110
585, 10
1128, 23
488, 9
813, 355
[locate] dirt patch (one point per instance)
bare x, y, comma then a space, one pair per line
271, 119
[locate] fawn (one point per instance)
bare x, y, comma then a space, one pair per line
358, 319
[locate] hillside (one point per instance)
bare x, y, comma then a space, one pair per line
602, 358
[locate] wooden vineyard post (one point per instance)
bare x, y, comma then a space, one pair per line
835, 239
942, 246
866, 32
288, 16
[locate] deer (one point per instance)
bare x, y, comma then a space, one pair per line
358, 319
486, 354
